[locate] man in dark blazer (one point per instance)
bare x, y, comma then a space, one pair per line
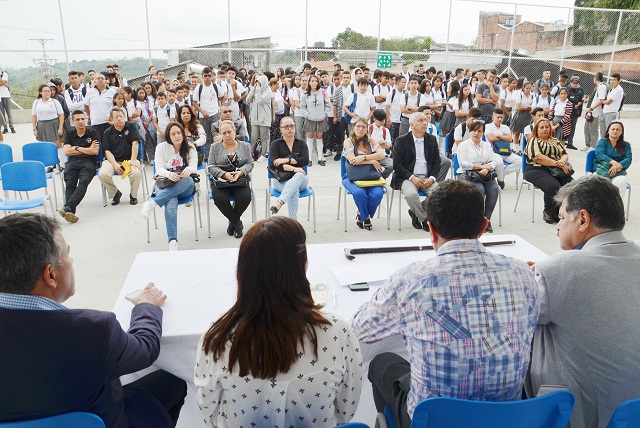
57, 360
416, 164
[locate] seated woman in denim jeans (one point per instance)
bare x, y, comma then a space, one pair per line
476, 163
175, 160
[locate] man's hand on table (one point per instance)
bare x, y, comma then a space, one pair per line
150, 294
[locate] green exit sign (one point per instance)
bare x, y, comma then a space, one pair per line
384, 60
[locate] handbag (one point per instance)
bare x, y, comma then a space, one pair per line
361, 172
371, 183
163, 182
280, 175
221, 183
558, 172
476, 177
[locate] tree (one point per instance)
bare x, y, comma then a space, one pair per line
592, 27
352, 40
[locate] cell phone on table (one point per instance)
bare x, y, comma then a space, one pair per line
359, 286
133, 295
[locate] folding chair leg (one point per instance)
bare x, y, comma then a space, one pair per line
628, 201
500, 208
314, 211
345, 208
400, 210
339, 200
253, 207
199, 213
266, 203
518, 198
195, 217
104, 195
55, 192
148, 232
208, 209
309, 211
388, 211
533, 205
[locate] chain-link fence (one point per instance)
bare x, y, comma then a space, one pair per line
518, 38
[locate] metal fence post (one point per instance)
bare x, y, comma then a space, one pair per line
446, 48
229, 27
306, 30
564, 43
146, 9
615, 43
513, 32
64, 37
379, 23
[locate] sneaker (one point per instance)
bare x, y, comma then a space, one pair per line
261, 159
322, 162
585, 149
328, 154
147, 208
173, 244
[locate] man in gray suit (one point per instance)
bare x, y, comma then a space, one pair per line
588, 340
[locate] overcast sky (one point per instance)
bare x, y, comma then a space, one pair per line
120, 25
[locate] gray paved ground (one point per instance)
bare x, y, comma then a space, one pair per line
106, 239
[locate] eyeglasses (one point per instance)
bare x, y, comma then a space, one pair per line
287, 126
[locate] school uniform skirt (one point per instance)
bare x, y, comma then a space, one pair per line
520, 120
48, 130
558, 134
448, 121
315, 126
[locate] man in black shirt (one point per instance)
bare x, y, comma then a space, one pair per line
576, 95
81, 145
120, 143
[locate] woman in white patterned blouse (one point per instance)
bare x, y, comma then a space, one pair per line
273, 359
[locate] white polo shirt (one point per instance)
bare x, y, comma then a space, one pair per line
616, 95
491, 128
381, 91
393, 101
364, 104
4, 91
100, 104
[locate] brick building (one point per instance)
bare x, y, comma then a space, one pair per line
495, 28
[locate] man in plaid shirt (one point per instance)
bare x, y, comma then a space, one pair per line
340, 95
467, 315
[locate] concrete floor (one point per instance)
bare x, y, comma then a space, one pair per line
106, 239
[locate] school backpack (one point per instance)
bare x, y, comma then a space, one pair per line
384, 131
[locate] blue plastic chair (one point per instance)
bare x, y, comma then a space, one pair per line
590, 168
47, 153
65, 420
195, 196
626, 415
355, 425
524, 182
550, 411
24, 176
306, 193
210, 196
6, 155
346, 192
456, 165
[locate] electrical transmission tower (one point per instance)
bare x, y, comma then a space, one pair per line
46, 62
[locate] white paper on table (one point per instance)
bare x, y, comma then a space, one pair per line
362, 272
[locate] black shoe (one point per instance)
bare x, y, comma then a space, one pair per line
5, 130
116, 198
132, 200
273, 210
572, 147
425, 226
359, 222
337, 156
414, 220
238, 230
310, 163
230, 229
501, 184
489, 229
48, 169
547, 219
322, 162
13, 131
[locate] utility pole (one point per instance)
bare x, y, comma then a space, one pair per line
46, 62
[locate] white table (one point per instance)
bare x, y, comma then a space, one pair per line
201, 286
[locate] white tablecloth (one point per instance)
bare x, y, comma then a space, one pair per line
201, 286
